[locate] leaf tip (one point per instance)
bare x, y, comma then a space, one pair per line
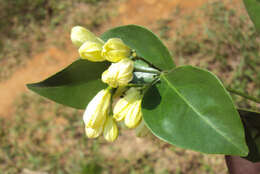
245, 151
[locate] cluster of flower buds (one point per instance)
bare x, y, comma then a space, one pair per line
94, 49
99, 116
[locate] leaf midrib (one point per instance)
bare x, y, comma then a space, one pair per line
200, 115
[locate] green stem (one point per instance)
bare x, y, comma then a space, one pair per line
254, 99
148, 86
112, 91
135, 85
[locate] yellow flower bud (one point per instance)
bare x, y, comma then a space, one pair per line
119, 74
110, 130
129, 108
91, 51
97, 110
80, 35
93, 133
134, 115
115, 50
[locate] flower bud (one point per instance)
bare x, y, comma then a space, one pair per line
129, 108
97, 110
119, 74
91, 51
93, 133
134, 114
115, 50
80, 35
110, 130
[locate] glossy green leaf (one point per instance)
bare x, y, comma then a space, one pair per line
74, 86
141, 66
253, 9
146, 44
251, 122
191, 109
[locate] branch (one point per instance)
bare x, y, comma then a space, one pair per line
254, 99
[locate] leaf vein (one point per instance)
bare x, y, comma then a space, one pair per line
201, 115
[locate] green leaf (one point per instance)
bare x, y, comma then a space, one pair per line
74, 86
191, 109
251, 122
253, 9
141, 66
146, 44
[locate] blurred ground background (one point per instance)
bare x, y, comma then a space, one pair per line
38, 136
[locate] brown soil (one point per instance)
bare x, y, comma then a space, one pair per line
148, 12
40, 67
